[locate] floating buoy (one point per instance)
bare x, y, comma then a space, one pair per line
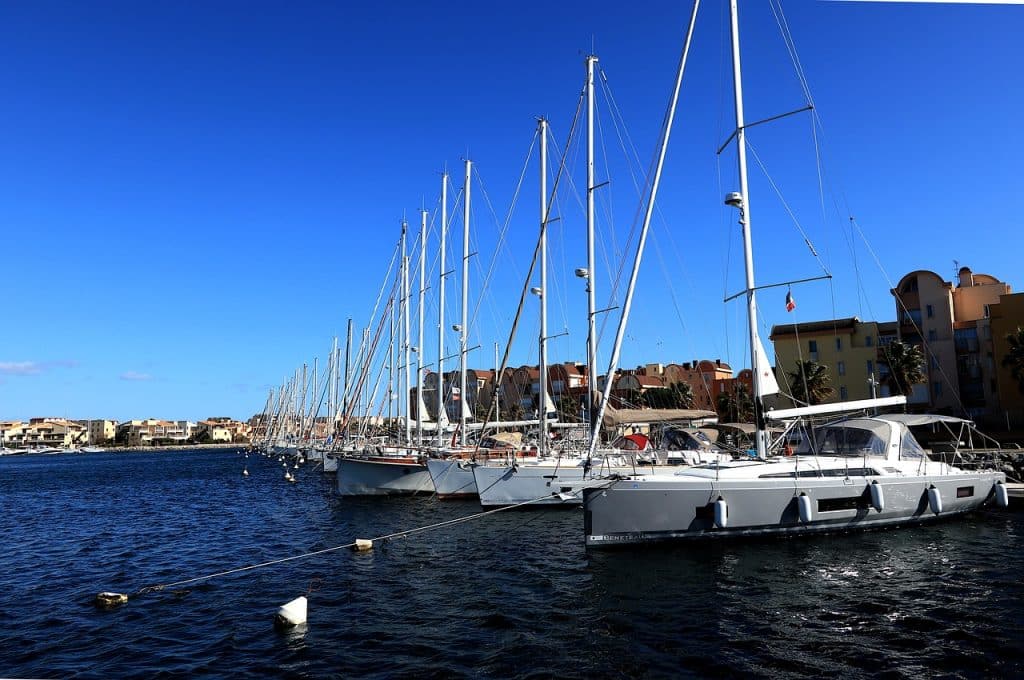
110, 600
1002, 495
245, 472
934, 499
291, 479
803, 502
877, 496
721, 513
296, 466
362, 545
292, 613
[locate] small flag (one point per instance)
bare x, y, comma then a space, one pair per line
790, 302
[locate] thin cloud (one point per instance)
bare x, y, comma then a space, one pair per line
33, 367
135, 375
20, 368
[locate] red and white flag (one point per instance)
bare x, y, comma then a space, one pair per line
790, 302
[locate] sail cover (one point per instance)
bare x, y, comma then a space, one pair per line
763, 374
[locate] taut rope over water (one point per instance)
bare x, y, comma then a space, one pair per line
110, 600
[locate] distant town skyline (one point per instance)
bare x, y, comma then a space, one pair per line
196, 199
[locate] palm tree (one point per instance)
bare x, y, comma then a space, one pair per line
568, 409
736, 406
1014, 360
682, 394
906, 367
809, 383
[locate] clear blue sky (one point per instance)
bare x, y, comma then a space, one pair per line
194, 197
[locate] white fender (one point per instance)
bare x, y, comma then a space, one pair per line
803, 502
721, 513
934, 500
877, 496
292, 613
1002, 495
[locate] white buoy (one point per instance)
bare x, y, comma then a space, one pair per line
362, 545
292, 613
721, 513
245, 472
296, 467
803, 502
291, 479
1002, 495
108, 600
934, 500
877, 496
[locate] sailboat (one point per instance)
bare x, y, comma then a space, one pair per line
856, 472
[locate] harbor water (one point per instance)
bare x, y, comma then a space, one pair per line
509, 595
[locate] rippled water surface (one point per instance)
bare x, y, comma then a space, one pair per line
511, 595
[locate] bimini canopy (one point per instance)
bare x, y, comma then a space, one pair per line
915, 419
876, 437
614, 417
631, 442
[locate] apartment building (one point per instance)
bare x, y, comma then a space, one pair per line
153, 431
848, 347
1005, 318
44, 433
950, 322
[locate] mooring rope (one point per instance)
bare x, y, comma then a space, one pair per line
117, 598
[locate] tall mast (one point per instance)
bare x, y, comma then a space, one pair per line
313, 405
543, 353
405, 336
591, 282
642, 241
347, 405
464, 326
744, 207
392, 357
440, 311
419, 341
333, 386
497, 389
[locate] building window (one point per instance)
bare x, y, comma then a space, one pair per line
841, 368
929, 311
839, 344
932, 335
812, 345
867, 341
871, 367
937, 388
842, 392
986, 310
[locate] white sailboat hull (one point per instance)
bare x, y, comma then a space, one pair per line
452, 478
360, 477
505, 485
661, 508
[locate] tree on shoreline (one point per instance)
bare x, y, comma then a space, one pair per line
809, 383
1014, 360
906, 367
